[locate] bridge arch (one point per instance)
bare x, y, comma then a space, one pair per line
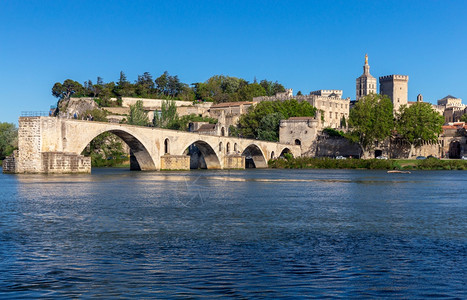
284, 151
254, 157
142, 158
209, 159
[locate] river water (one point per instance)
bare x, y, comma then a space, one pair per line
239, 234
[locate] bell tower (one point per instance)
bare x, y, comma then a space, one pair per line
365, 84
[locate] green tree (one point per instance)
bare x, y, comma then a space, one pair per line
248, 92
464, 118
272, 88
418, 123
137, 114
67, 89
268, 129
8, 139
371, 120
123, 88
162, 84
167, 116
144, 86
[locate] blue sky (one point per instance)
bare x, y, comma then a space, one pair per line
305, 45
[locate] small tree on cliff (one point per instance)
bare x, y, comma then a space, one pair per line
419, 123
371, 120
67, 89
137, 114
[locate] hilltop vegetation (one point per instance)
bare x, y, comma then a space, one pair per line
218, 88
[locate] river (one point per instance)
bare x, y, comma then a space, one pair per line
238, 234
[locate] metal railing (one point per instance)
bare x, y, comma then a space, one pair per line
34, 114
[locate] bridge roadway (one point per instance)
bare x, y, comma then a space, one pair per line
54, 145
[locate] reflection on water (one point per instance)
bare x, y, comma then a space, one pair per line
243, 234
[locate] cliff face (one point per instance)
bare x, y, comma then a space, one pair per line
68, 107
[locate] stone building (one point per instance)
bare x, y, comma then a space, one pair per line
301, 131
396, 88
329, 102
452, 108
327, 93
366, 84
454, 140
228, 113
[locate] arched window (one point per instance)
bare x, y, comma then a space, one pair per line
272, 154
220, 147
228, 147
166, 146
223, 131
298, 142
235, 147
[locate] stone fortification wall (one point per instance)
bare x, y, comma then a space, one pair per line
401, 149
326, 146
153, 103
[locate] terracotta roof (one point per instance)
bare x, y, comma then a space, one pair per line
300, 118
229, 104
206, 127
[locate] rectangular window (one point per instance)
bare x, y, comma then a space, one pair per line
330, 115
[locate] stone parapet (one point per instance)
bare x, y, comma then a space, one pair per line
394, 77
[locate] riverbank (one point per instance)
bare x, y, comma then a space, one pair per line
369, 164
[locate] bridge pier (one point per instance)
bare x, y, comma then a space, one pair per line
234, 162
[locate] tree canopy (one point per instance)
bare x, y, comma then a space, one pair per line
371, 120
218, 88
8, 139
262, 121
419, 123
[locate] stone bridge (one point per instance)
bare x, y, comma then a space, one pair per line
54, 145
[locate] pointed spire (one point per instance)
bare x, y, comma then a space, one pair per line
366, 67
